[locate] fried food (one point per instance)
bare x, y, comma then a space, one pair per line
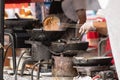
51, 23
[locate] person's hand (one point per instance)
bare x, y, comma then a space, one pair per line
87, 26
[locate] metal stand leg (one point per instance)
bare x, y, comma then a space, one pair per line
13, 50
28, 61
39, 66
38, 73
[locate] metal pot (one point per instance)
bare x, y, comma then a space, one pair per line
93, 61
63, 67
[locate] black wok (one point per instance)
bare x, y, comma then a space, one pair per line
61, 46
42, 35
20, 23
93, 61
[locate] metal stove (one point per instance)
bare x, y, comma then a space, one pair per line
97, 72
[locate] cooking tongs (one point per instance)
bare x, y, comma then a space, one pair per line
76, 31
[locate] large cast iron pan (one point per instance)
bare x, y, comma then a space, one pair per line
42, 35
93, 61
63, 45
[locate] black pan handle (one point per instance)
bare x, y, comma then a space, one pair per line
18, 17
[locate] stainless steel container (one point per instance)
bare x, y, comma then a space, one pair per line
63, 67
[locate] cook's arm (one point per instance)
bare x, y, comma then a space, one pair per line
81, 15
101, 27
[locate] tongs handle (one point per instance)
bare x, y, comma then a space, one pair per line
18, 17
76, 32
81, 35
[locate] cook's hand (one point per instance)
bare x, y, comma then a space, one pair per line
87, 26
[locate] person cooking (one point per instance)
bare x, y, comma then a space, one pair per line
75, 10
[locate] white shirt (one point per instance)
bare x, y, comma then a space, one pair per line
110, 10
103, 3
112, 14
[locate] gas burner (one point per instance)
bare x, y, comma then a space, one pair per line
101, 72
88, 69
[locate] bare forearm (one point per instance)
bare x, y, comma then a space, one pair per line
81, 15
101, 27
